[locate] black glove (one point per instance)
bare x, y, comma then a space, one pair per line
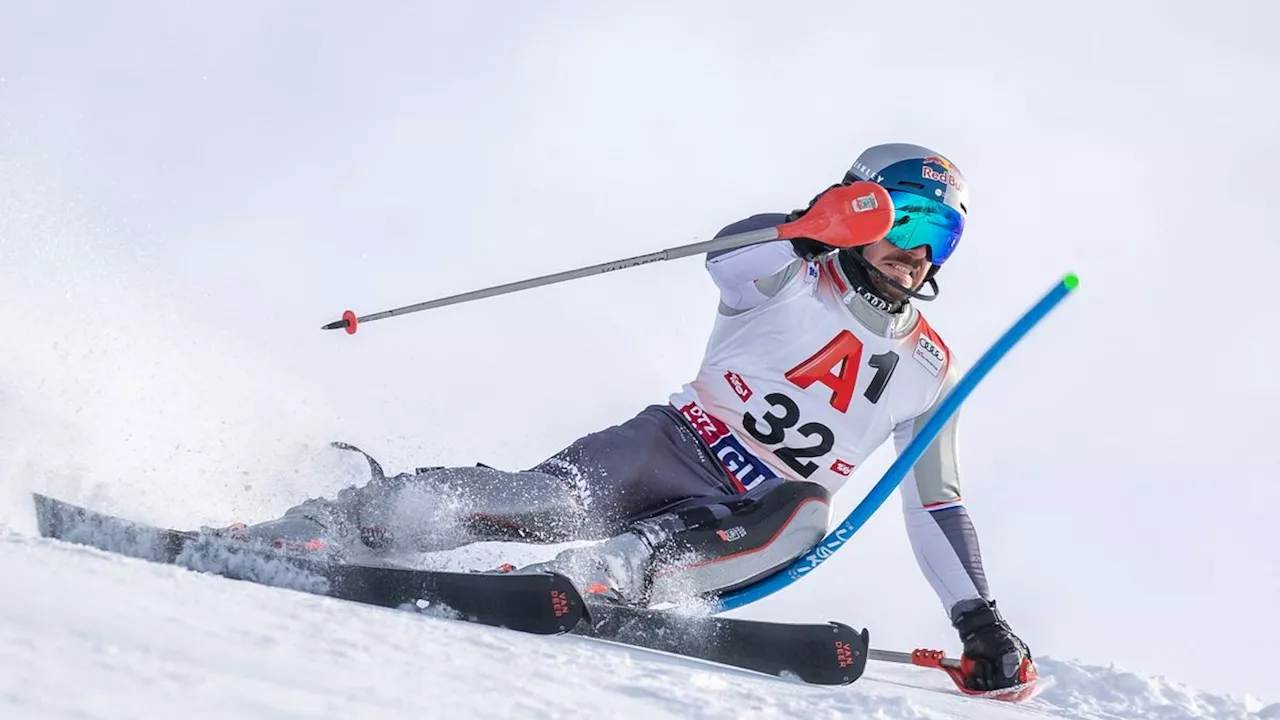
810, 249
806, 248
994, 658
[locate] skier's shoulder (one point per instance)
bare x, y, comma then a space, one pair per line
752, 275
759, 221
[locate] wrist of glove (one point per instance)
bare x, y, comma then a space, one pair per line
808, 248
994, 658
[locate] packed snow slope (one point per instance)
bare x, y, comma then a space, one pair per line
84, 633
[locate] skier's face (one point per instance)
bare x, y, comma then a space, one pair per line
908, 268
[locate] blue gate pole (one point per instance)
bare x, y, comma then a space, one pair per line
896, 472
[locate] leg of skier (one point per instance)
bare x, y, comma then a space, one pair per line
433, 509
593, 489
673, 523
709, 544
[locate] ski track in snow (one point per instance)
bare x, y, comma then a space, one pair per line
87, 634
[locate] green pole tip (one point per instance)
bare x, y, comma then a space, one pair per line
1071, 281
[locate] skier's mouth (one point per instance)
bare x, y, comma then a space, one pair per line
901, 273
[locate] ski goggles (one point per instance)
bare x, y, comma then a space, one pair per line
920, 221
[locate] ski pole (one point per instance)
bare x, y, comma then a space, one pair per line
923, 658
956, 671
845, 216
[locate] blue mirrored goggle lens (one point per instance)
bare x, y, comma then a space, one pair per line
921, 221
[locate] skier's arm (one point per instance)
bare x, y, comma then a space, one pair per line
941, 533
749, 276
946, 548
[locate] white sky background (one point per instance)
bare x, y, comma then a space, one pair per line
188, 193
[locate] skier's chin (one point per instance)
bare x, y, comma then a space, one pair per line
888, 292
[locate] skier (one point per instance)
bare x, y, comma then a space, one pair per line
816, 358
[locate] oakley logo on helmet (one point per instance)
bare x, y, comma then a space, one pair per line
867, 172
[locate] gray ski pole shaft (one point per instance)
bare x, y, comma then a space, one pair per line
905, 658
1024, 689
729, 242
858, 213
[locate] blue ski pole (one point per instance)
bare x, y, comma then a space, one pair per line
896, 472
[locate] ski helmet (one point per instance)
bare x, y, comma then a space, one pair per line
930, 199
911, 170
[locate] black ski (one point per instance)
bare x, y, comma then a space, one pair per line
544, 603
827, 654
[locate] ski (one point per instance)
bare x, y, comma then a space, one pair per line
821, 654
543, 603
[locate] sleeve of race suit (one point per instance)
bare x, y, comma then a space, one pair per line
942, 536
749, 276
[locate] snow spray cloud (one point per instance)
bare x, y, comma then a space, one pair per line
110, 396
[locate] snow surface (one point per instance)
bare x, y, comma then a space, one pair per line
84, 633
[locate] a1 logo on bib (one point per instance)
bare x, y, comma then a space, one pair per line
930, 355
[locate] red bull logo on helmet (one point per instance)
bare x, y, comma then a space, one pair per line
949, 177
941, 161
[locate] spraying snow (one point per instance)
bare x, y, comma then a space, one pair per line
111, 391
142, 640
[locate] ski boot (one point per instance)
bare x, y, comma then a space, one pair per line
616, 570
294, 534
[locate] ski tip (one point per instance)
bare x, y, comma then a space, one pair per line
852, 648
566, 604
49, 514
1071, 281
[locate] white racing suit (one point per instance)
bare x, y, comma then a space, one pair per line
802, 379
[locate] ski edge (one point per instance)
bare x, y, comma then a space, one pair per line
551, 608
831, 653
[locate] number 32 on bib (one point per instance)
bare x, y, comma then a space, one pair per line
836, 367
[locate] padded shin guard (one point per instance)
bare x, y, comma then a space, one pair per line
741, 540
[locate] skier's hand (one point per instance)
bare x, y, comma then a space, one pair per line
808, 249
994, 658
845, 215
